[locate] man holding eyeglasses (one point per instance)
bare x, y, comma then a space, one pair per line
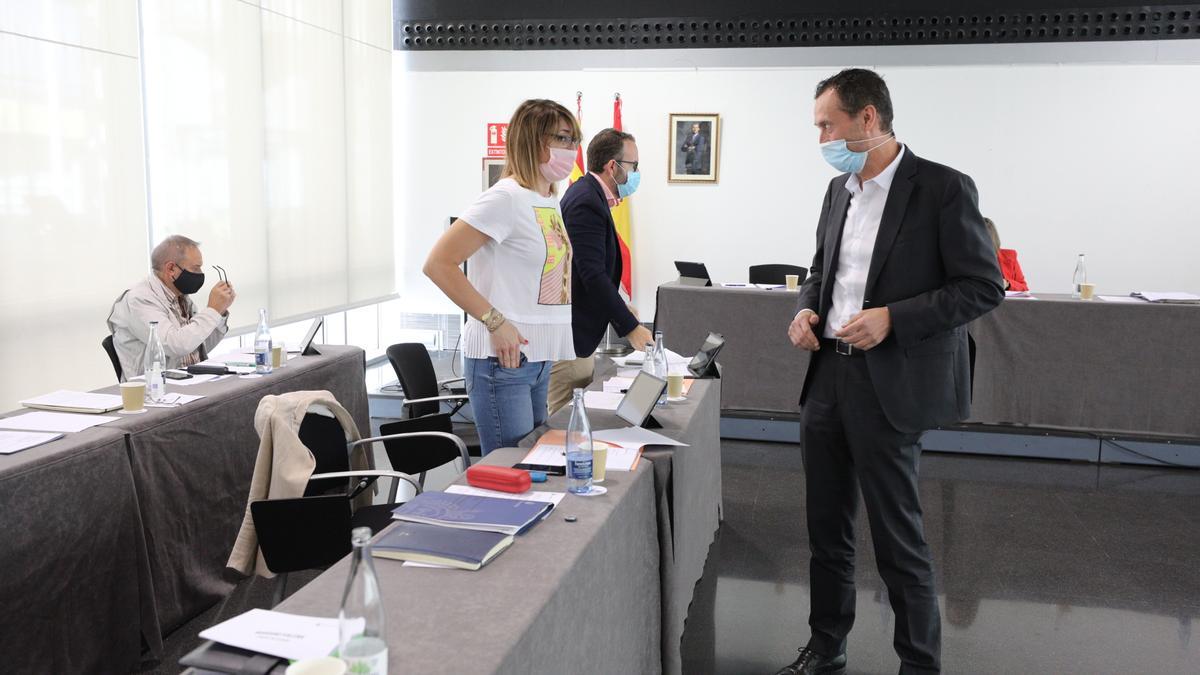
612, 160
186, 334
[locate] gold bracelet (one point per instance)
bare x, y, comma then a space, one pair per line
492, 320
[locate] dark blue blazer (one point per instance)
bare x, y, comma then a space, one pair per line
595, 266
935, 269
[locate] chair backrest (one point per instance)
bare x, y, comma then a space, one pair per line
415, 371
302, 533
111, 350
418, 455
775, 273
326, 440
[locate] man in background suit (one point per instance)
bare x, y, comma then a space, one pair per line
903, 263
612, 160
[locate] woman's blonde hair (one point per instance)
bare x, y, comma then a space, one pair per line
991, 229
528, 132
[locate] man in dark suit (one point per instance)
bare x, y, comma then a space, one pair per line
596, 266
695, 147
903, 263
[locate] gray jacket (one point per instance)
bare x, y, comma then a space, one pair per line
150, 300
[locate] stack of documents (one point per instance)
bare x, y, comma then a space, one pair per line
75, 401
15, 441
1168, 297
288, 636
638, 358
54, 421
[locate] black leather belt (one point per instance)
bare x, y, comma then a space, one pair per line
841, 348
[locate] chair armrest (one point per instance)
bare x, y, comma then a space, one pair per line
369, 473
462, 447
442, 383
429, 399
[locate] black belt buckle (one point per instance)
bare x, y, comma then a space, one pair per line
844, 348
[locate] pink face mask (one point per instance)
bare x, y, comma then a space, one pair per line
559, 166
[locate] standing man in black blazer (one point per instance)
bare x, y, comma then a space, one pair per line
903, 263
612, 161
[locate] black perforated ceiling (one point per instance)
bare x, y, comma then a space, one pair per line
826, 29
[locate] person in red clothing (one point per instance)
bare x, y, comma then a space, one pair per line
1014, 279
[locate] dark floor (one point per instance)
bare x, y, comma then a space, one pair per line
1043, 567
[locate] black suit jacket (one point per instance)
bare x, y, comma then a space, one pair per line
596, 266
935, 269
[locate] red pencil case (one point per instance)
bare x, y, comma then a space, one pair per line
502, 478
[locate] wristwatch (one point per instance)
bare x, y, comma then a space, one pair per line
492, 319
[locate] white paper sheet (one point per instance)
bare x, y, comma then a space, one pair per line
638, 358
528, 495
1167, 296
548, 454
601, 400
634, 437
42, 420
1121, 299
288, 636
15, 441
618, 385
75, 399
1019, 295
174, 400
621, 458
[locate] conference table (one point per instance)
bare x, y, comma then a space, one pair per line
1047, 362
116, 535
607, 593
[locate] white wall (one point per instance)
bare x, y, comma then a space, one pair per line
1091, 157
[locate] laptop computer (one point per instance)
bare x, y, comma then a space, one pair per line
639, 401
693, 273
704, 363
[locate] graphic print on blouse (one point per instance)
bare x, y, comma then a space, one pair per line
555, 288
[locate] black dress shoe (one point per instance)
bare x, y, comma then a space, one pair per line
811, 663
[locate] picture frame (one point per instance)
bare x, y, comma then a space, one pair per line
693, 155
492, 168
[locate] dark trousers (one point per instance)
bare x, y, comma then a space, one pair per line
849, 446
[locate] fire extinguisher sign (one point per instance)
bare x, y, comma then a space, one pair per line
497, 136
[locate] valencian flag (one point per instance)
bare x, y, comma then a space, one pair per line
577, 170
620, 214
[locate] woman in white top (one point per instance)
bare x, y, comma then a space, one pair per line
518, 288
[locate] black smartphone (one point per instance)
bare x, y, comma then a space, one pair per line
176, 375
549, 469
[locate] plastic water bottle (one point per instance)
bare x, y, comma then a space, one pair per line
153, 364
1080, 276
662, 365
579, 448
262, 345
361, 637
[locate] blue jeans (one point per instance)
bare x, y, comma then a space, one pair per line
507, 402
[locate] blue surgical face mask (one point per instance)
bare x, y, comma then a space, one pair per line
846, 160
630, 186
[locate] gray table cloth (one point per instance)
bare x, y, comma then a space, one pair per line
1089, 365
564, 598
1054, 362
74, 581
139, 517
687, 485
192, 466
762, 372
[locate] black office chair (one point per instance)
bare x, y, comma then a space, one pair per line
775, 274
111, 350
413, 448
313, 531
424, 393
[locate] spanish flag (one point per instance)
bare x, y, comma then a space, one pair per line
577, 170
620, 214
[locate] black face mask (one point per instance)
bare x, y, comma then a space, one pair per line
189, 282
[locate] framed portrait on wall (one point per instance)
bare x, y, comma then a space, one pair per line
695, 147
492, 168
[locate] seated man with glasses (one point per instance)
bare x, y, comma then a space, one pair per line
596, 269
186, 334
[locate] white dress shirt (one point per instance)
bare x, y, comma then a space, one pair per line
858, 243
